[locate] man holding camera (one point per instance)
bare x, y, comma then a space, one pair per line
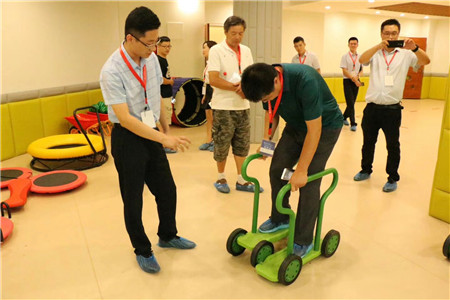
389, 64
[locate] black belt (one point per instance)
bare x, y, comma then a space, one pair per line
117, 125
389, 106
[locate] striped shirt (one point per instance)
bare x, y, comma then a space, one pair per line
119, 85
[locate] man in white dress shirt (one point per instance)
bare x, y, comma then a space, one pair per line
304, 57
388, 69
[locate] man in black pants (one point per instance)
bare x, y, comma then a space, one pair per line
352, 71
298, 94
130, 81
388, 70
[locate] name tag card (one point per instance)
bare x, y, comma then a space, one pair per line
148, 118
267, 148
389, 80
204, 89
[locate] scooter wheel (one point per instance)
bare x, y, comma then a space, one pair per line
232, 245
261, 251
446, 248
290, 269
330, 243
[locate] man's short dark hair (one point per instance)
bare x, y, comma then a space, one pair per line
257, 81
233, 21
390, 22
353, 39
141, 20
298, 39
209, 43
163, 39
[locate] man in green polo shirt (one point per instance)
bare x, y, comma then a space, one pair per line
301, 97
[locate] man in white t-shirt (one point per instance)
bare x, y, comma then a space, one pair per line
389, 66
304, 57
231, 111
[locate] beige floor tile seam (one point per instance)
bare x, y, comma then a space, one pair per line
399, 254
89, 252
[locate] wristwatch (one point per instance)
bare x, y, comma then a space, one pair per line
415, 49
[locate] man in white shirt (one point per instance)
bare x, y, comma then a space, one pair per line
231, 111
388, 69
304, 57
352, 71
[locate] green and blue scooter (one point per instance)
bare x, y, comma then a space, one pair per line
261, 244
284, 266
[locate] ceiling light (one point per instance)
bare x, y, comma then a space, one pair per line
188, 6
402, 15
377, 12
426, 17
327, 7
371, 1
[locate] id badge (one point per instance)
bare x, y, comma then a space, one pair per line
204, 89
389, 80
148, 118
267, 148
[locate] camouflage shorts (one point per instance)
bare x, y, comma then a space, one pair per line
231, 127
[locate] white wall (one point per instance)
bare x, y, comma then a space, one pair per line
216, 12
327, 34
51, 44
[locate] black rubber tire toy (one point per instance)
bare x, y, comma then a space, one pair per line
446, 248
330, 243
290, 269
232, 246
261, 251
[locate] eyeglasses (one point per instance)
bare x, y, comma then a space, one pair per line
390, 34
167, 47
148, 46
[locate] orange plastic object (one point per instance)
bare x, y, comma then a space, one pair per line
7, 227
18, 189
10, 174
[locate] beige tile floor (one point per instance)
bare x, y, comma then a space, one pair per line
74, 245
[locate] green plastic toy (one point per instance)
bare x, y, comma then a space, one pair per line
261, 244
284, 266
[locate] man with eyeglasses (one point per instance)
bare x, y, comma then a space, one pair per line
388, 70
130, 81
164, 47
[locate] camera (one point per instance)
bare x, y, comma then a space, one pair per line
397, 43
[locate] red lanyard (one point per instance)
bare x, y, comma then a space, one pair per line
277, 104
354, 61
238, 54
144, 70
385, 59
300, 60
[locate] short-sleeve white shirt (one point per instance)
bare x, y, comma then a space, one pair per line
119, 85
377, 91
310, 60
224, 60
352, 63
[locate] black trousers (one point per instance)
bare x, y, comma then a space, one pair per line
286, 155
387, 118
140, 161
350, 92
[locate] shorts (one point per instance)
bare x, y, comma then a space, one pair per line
231, 127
